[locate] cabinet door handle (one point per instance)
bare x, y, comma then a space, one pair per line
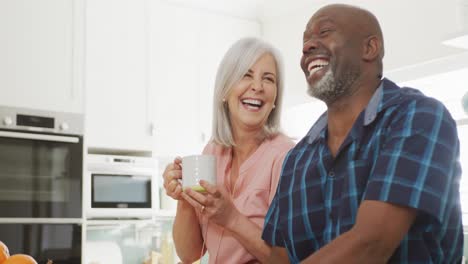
152, 129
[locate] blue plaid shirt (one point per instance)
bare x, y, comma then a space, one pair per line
403, 149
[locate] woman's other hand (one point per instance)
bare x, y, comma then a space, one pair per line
215, 204
172, 174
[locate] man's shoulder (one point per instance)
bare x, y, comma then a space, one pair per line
407, 110
406, 99
301, 146
405, 94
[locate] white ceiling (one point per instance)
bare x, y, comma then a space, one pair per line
247, 9
413, 30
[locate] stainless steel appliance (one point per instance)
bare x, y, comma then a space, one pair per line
58, 242
41, 171
120, 186
41, 163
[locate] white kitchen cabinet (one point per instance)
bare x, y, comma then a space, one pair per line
186, 47
175, 79
150, 69
117, 75
41, 54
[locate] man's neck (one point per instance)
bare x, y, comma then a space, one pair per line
342, 114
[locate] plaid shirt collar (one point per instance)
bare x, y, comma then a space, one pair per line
383, 97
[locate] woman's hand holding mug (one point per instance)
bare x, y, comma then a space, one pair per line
193, 169
172, 175
215, 204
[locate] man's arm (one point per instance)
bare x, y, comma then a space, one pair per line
378, 231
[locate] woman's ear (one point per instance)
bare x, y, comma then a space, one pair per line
371, 48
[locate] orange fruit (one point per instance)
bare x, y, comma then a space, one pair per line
4, 253
19, 259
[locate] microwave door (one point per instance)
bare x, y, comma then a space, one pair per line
121, 191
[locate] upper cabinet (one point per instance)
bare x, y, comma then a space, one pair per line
41, 54
117, 112
142, 71
186, 47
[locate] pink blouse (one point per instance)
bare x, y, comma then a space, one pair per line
254, 189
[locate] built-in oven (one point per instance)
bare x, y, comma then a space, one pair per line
120, 186
57, 243
41, 164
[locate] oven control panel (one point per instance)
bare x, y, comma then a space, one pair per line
14, 118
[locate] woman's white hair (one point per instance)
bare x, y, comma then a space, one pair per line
240, 57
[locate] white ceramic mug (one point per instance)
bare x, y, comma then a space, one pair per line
196, 168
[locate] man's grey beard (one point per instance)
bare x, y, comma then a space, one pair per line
329, 89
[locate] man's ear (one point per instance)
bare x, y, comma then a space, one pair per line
371, 48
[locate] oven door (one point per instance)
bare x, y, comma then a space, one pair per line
60, 243
40, 175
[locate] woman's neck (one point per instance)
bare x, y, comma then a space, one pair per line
246, 144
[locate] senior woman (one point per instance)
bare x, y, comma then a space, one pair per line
228, 219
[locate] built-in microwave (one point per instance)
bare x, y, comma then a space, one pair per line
120, 186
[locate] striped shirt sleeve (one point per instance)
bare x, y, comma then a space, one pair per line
417, 160
271, 231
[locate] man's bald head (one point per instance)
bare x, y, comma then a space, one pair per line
343, 47
360, 21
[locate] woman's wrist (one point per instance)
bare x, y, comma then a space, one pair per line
183, 205
234, 220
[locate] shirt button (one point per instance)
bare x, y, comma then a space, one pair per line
331, 174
